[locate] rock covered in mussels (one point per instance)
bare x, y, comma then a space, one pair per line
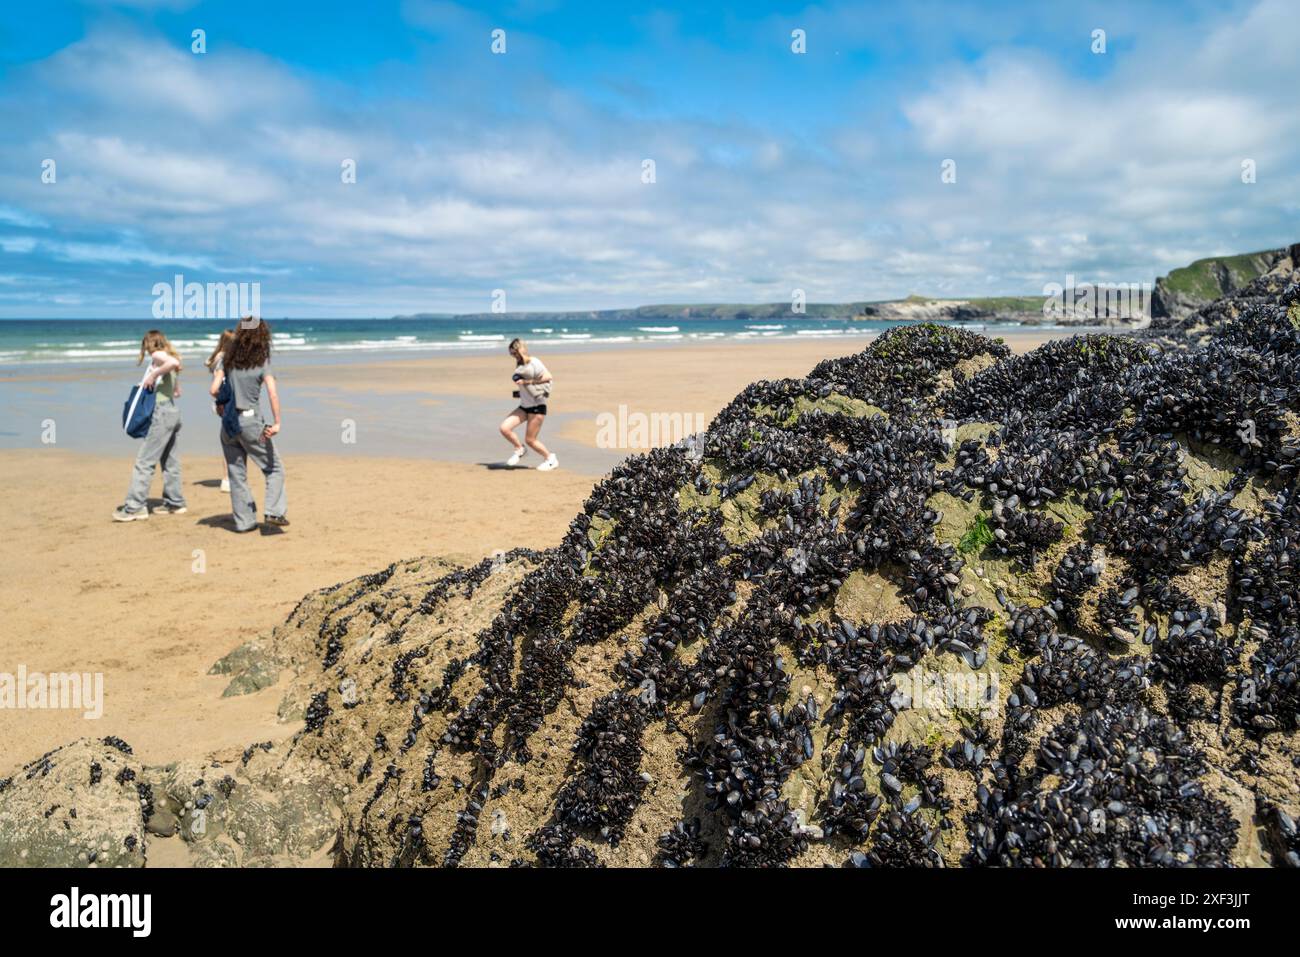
932, 605
79, 805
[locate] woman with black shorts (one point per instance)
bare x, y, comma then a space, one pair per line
533, 387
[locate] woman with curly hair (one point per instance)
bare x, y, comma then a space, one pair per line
244, 367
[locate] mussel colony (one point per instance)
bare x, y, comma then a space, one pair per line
720, 663
682, 670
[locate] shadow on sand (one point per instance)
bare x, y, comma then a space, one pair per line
225, 521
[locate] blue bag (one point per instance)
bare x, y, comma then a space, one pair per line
229, 414
137, 413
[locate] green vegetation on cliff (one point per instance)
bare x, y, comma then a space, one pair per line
1204, 279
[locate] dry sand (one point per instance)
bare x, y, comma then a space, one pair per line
84, 594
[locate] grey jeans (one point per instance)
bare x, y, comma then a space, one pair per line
249, 444
158, 450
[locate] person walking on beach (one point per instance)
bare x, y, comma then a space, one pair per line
244, 369
214, 363
159, 446
533, 387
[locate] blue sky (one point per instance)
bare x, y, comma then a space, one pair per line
522, 171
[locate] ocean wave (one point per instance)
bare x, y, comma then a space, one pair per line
95, 353
119, 348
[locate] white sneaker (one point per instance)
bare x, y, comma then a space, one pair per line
225, 485
515, 457
551, 463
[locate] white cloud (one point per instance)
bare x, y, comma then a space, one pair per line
230, 162
164, 85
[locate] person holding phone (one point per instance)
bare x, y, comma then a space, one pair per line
533, 388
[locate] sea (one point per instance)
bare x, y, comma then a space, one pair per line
26, 342
63, 381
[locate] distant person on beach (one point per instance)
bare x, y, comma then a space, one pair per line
533, 388
244, 366
214, 363
159, 446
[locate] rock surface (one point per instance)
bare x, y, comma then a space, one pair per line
79, 805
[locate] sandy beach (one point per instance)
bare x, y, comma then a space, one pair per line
75, 599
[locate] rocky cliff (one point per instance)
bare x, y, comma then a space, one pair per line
1196, 286
1017, 309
